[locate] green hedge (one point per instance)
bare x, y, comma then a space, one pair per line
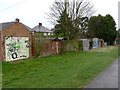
71, 45
80, 46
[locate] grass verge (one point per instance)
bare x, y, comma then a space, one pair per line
68, 70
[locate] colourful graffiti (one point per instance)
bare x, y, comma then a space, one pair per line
95, 43
16, 48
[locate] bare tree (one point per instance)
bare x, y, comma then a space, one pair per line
75, 9
75, 13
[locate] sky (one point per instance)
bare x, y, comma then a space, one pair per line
32, 12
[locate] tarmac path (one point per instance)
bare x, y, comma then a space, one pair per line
107, 78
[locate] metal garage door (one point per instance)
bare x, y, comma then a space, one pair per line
16, 48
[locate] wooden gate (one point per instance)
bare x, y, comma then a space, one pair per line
56, 47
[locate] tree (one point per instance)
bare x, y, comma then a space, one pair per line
110, 31
70, 17
118, 33
103, 27
92, 26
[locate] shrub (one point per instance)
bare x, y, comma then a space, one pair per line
80, 46
69, 45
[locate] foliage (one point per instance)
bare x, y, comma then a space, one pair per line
70, 18
92, 27
41, 35
80, 46
118, 33
38, 35
69, 45
83, 27
68, 70
64, 28
103, 27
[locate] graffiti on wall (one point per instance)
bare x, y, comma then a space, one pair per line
95, 43
16, 48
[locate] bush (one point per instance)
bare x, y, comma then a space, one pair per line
69, 45
80, 46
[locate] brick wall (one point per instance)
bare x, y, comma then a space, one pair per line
15, 30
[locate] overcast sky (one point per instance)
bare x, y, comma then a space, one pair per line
31, 12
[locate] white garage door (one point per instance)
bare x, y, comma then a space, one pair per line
16, 48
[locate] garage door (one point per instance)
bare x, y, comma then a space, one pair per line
16, 48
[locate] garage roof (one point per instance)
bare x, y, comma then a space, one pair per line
7, 24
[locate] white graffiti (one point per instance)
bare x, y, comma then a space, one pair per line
16, 48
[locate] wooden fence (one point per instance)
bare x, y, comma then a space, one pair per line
45, 47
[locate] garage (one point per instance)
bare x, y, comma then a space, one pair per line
16, 40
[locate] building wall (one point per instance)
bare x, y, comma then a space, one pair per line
15, 30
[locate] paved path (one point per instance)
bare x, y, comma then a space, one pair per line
107, 78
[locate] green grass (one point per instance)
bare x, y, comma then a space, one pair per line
68, 70
104, 49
